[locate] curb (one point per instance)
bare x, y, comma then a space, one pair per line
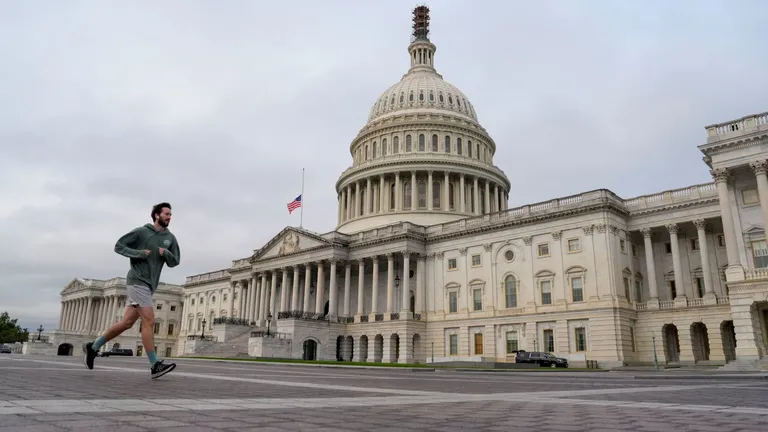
328, 366
701, 377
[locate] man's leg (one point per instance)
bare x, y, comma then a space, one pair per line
92, 348
147, 314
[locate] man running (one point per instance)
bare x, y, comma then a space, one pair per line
149, 247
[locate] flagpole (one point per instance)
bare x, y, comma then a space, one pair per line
301, 219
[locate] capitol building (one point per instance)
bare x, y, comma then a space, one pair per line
427, 263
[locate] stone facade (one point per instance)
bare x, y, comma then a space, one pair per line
428, 263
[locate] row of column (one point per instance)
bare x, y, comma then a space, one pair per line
417, 191
88, 314
299, 283
673, 229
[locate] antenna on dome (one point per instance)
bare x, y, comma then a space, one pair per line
420, 23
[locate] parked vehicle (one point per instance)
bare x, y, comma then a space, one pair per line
5, 349
118, 352
542, 359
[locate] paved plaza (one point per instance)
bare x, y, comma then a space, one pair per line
58, 394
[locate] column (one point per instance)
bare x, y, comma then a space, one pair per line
257, 294
61, 315
102, 312
676, 265
295, 292
421, 283
476, 197
247, 299
390, 280
115, 303
88, 315
320, 291
414, 192
398, 193
184, 307
406, 307
347, 277
338, 216
360, 286
430, 192
709, 289
284, 291
348, 209
487, 206
760, 168
368, 196
231, 299
462, 194
307, 283
382, 195
356, 210
496, 204
375, 287
721, 176
650, 265
263, 299
272, 294
240, 299
333, 306
446, 201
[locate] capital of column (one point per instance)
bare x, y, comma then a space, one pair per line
700, 224
556, 235
759, 167
588, 230
360, 261
720, 175
375, 259
527, 240
646, 232
406, 254
390, 256
672, 228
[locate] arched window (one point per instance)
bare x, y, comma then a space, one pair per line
458, 146
392, 198
408, 147
436, 194
366, 152
434, 143
469, 148
447, 144
510, 292
421, 142
384, 147
422, 185
361, 209
407, 195
375, 149
396, 145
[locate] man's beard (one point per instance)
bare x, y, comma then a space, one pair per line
162, 223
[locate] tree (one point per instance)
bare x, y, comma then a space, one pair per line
11, 332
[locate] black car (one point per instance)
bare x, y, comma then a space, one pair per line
118, 352
542, 359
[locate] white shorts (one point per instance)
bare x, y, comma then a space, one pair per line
139, 296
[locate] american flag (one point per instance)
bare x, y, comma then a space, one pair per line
293, 205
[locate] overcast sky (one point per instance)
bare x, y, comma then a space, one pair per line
109, 107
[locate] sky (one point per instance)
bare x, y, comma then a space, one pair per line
107, 108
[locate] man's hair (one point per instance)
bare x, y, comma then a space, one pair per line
158, 208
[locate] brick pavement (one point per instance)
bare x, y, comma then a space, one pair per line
59, 394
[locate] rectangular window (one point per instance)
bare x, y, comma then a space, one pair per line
544, 249
749, 196
453, 344
672, 290
546, 292
453, 299
694, 244
760, 253
700, 286
476, 260
574, 245
626, 288
170, 329
478, 343
452, 264
159, 307
632, 338
577, 289
580, 336
549, 340
477, 299
638, 291
511, 342
192, 302
157, 328
668, 248
173, 308
510, 294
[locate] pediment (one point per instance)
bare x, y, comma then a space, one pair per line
290, 241
74, 286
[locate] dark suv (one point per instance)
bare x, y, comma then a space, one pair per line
542, 359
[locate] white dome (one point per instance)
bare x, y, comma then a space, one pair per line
422, 89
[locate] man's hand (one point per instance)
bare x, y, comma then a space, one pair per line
147, 252
161, 250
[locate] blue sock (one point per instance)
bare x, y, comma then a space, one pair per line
98, 343
152, 358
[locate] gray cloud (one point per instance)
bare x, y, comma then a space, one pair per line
107, 109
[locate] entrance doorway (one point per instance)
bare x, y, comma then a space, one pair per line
309, 350
65, 349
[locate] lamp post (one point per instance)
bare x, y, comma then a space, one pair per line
202, 333
655, 358
39, 331
269, 318
433, 352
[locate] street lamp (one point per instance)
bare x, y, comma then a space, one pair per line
269, 318
39, 331
202, 333
655, 358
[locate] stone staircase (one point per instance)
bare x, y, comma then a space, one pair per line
760, 365
235, 346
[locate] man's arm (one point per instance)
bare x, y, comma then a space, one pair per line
173, 255
124, 245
